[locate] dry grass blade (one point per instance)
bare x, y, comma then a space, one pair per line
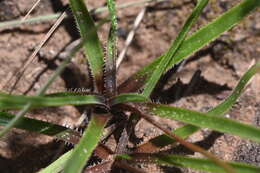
30, 11
130, 37
22, 70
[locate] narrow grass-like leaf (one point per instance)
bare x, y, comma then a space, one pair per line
110, 72
169, 56
33, 125
58, 165
129, 97
87, 144
193, 43
204, 164
92, 45
200, 164
226, 104
64, 94
187, 130
18, 101
204, 120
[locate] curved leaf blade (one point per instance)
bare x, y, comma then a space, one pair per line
223, 107
170, 55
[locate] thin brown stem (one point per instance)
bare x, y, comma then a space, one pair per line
130, 37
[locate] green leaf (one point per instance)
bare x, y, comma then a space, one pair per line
129, 97
58, 165
204, 120
92, 45
193, 43
63, 94
221, 109
227, 103
170, 55
87, 144
18, 101
202, 164
110, 73
33, 125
